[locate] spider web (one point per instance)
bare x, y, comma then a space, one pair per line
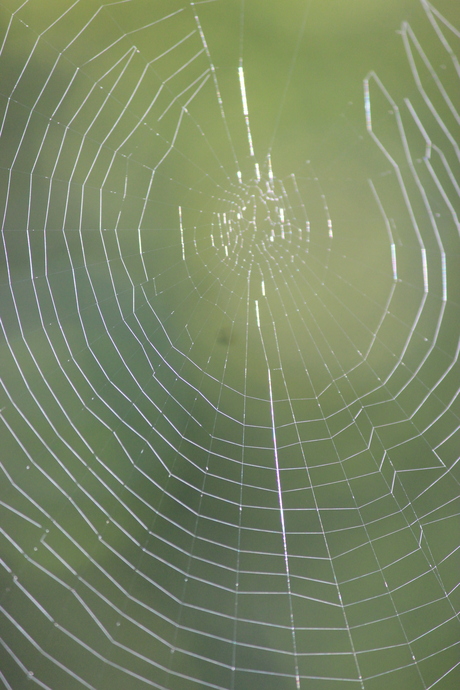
230, 355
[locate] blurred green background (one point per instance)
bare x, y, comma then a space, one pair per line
136, 398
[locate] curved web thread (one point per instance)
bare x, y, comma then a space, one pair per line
230, 421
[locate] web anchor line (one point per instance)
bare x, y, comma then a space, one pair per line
280, 499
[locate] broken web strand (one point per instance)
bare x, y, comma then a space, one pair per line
429, 212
